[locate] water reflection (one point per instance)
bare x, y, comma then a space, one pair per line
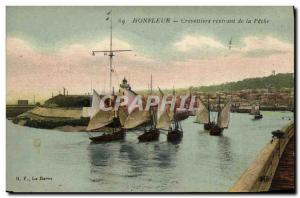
99, 154
130, 159
225, 153
135, 158
166, 154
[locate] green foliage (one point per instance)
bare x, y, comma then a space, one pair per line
276, 82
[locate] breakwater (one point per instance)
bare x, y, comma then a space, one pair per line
260, 174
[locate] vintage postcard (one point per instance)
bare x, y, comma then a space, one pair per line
150, 99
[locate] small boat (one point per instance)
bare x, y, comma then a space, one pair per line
151, 134
119, 134
203, 115
109, 120
175, 135
278, 134
256, 112
216, 130
208, 126
258, 117
222, 119
168, 120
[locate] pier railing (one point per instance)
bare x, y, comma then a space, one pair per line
259, 175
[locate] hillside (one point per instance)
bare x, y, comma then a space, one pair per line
277, 82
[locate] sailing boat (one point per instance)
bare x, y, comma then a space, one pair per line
203, 114
175, 132
152, 134
112, 118
135, 117
223, 118
168, 120
256, 112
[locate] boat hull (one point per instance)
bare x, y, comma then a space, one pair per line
175, 135
258, 117
150, 135
217, 131
208, 126
118, 135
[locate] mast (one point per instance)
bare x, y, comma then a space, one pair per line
151, 84
219, 110
110, 52
110, 55
173, 91
151, 108
208, 108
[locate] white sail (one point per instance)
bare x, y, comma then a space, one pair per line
252, 110
100, 119
202, 114
255, 110
91, 111
136, 118
130, 96
95, 104
224, 116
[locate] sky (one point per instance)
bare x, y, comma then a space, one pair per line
48, 48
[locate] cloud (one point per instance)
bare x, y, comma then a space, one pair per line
190, 42
265, 46
251, 46
31, 72
266, 43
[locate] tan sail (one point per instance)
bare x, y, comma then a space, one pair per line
202, 114
164, 119
224, 116
100, 119
136, 118
122, 114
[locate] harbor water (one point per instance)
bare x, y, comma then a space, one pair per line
48, 160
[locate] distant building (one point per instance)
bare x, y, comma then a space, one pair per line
125, 84
22, 102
